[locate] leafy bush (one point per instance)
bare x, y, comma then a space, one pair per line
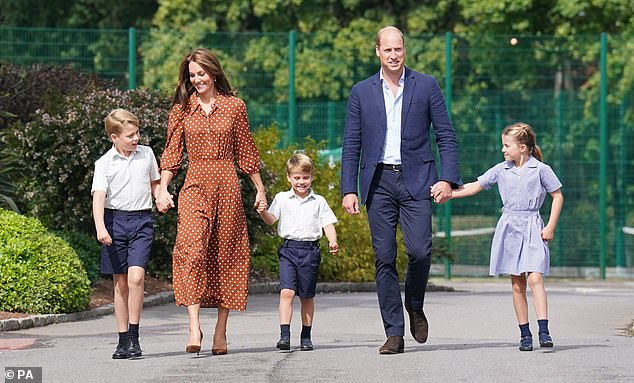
60, 146
39, 272
88, 250
28, 88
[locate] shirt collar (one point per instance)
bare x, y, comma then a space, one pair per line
115, 154
194, 102
401, 81
291, 194
531, 163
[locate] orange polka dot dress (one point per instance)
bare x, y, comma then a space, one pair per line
211, 255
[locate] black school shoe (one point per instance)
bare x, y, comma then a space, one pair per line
134, 349
526, 343
545, 340
306, 345
284, 343
122, 351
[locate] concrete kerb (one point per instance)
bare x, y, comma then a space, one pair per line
168, 297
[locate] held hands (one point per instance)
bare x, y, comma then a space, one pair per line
260, 203
333, 247
164, 201
441, 192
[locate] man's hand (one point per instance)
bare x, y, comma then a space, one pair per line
441, 192
350, 203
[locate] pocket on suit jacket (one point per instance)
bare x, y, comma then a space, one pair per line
426, 157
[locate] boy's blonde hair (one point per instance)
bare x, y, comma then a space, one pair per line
116, 120
299, 162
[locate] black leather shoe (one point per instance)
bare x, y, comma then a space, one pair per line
122, 351
135, 348
526, 343
306, 345
393, 345
418, 325
545, 340
284, 343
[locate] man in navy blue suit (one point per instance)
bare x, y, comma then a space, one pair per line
387, 160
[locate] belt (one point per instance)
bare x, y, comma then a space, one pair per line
293, 243
128, 212
393, 167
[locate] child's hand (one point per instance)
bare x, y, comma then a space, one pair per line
333, 247
548, 233
260, 203
104, 237
164, 201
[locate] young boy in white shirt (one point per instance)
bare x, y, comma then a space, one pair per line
125, 179
302, 215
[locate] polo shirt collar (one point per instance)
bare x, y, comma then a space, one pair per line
115, 154
531, 163
311, 194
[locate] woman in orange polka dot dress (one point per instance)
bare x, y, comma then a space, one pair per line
211, 254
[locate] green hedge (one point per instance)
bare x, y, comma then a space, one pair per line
39, 272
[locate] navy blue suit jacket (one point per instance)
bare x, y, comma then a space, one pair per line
366, 126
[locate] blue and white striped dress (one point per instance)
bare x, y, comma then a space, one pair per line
517, 245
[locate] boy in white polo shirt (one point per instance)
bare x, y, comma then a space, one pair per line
302, 214
125, 179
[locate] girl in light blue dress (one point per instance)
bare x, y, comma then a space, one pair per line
520, 242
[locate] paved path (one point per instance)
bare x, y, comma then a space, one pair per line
473, 338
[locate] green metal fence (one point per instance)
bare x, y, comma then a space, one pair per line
574, 91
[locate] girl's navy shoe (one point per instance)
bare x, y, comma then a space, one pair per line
526, 343
545, 340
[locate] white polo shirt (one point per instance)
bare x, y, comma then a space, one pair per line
126, 180
301, 219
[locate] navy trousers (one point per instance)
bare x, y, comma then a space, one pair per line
389, 204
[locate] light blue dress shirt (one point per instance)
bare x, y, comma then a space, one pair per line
393, 108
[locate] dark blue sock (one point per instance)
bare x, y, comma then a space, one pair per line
543, 326
306, 332
133, 330
123, 337
285, 330
525, 330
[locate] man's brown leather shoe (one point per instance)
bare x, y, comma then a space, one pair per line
393, 345
418, 325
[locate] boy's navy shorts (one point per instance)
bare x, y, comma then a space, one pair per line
299, 266
132, 233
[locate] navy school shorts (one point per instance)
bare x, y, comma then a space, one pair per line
299, 266
132, 233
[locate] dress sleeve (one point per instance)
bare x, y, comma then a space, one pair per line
172, 156
549, 179
490, 177
244, 150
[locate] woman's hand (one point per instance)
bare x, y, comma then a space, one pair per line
260, 203
164, 201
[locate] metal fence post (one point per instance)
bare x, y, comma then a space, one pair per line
620, 208
330, 124
603, 153
131, 58
448, 100
292, 102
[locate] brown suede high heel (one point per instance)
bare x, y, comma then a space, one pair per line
219, 351
195, 348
